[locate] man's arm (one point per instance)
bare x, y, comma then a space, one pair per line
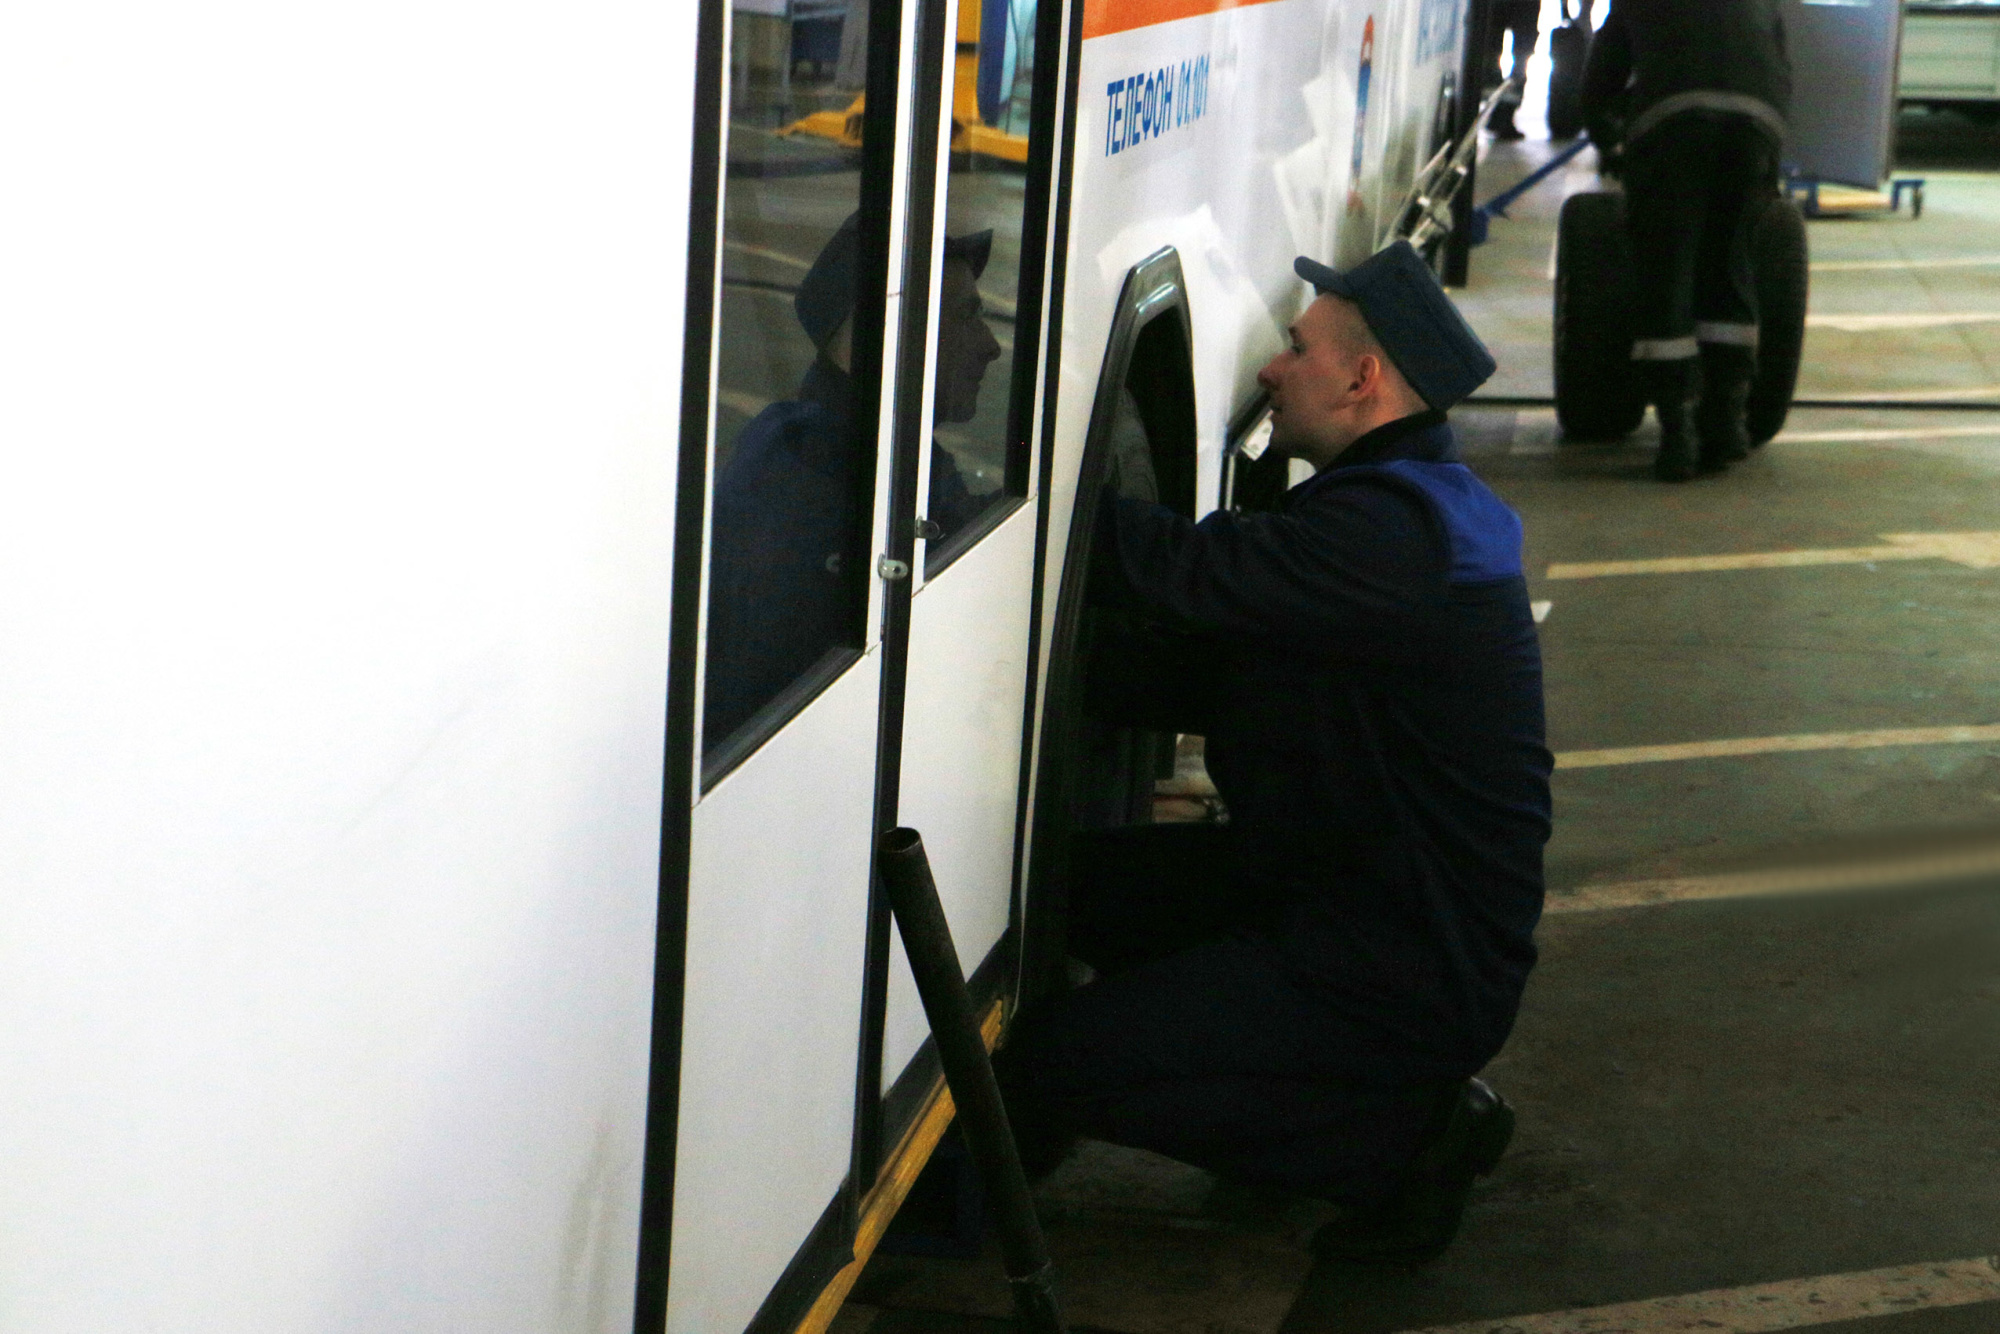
1358, 569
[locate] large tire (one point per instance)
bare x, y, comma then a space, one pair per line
1568, 45
1778, 257
1597, 395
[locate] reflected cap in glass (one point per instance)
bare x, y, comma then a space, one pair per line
826, 295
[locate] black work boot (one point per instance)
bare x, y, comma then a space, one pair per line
1501, 123
1726, 373
1421, 1219
1670, 388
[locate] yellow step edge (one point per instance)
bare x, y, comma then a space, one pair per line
892, 1187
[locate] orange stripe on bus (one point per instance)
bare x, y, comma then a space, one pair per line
1101, 18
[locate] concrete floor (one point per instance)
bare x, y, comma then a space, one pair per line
1713, 1092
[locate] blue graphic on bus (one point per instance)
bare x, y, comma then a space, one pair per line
1361, 83
1437, 28
1146, 106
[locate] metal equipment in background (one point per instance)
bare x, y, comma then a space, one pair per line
1497, 206
968, 1073
1843, 110
1426, 218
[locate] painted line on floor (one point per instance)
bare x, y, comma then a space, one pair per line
1883, 433
1910, 872
1942, 262
1978, 551
1792, 1304
1874, 323
1908, 395
1778, 745
775, 256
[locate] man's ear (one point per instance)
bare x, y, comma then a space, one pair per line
1367, 375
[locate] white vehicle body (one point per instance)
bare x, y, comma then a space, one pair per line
364, 963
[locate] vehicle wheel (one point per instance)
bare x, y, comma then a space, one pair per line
1597, 396
1568, 45
1778, 255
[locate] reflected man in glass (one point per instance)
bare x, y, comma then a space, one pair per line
791, 519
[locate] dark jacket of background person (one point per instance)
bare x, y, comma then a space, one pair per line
1685, 55
1365, 668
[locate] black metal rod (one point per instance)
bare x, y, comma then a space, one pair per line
968, 1072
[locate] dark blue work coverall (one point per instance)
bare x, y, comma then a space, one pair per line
1290, 997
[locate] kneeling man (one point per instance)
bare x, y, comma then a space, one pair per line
1302, 996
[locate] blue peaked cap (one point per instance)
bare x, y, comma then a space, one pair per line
1412, 319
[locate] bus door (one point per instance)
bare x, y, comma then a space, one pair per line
971, 422
783, 825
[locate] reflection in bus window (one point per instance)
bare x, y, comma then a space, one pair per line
965, 348
793, 483
978, 447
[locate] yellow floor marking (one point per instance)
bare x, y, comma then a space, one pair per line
892, 1187
1903, 320
1928, 868
1980, 551
1883, 433
1910, 395
1943, 262
1773, 745
1793, 1304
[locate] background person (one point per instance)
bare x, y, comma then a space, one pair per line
1523, 19
1688, 99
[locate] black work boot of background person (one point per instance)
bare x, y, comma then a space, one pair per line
1670, 387
1720, 421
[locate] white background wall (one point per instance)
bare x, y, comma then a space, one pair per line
338, 380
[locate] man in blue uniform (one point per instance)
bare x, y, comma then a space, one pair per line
1301, 997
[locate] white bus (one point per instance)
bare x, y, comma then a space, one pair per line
415, 413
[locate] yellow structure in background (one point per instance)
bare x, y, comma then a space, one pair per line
969, 133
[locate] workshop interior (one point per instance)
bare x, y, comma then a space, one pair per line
953, 666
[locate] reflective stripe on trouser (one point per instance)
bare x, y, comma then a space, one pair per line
1664, 349
1734, 335
1694, 189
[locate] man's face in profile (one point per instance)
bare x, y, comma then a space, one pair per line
966, 347
1311, 381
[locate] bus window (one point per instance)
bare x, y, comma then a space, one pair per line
979, 443
793, 479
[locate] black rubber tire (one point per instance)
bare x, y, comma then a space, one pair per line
1597, 395
1568, 45
1778, 257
